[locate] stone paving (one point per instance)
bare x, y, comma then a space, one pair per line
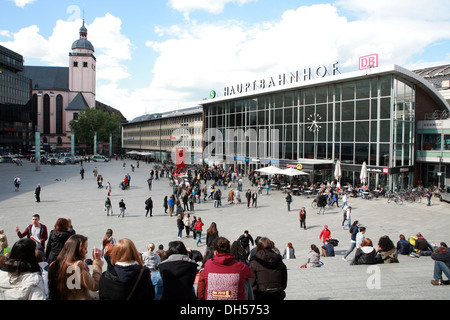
64, 194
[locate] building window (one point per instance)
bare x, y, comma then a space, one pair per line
46, 113
447, 142
432, 141
75, 64
85, 64
75, 116
59, 114
35, 110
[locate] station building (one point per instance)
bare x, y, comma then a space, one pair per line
313, 117
157, 135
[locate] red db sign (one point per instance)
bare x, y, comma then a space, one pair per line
369, 61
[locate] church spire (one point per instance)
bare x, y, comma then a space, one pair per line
83, 42
83, 31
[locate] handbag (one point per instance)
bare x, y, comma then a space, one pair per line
135, 284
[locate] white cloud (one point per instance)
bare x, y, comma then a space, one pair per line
23, 3
196, 58
214, 7
5, 33
410, 9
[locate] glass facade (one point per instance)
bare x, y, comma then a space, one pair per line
15, 103
433, 151
369, 120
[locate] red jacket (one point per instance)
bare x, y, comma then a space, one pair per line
225, 277
43, 234
325, 234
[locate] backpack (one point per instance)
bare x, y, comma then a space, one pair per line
412, 240
334, 242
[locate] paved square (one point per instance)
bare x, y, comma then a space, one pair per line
64, 194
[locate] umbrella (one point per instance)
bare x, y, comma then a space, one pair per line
293, 172
270, 170
338, 171
364, 175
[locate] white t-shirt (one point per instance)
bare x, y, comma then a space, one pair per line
36, 233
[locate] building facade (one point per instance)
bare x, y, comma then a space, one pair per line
365, 116
433, 152
59, 94
157, 135
16, 131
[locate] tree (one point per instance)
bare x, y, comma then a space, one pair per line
94, 120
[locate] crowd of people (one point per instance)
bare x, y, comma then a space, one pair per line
56, 265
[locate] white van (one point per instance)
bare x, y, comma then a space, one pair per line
445, 194
98, 158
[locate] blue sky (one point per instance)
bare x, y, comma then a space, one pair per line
161, 55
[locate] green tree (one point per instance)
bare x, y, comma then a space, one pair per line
94, 120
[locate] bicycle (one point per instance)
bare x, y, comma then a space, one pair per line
395, 198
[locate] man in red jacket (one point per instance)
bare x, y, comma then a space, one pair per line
223, 275
36, 231
325, 234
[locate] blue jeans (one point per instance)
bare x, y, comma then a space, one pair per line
347, 224
353, 246
439, 268
157, 284
199, 237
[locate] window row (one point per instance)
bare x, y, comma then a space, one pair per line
352, 153
345, 111
47, 114
349, 131
434, 142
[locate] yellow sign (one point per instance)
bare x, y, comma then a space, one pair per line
299, 166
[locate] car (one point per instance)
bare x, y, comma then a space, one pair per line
67, 159
98, 158
61, 161
6, 159
445, 194
52, 160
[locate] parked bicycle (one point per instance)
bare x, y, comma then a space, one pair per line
392, 197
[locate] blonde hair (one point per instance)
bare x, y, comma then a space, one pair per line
151, 247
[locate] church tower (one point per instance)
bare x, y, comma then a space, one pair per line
82, 69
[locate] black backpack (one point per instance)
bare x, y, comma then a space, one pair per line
334, 242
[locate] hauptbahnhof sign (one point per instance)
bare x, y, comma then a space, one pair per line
282, 79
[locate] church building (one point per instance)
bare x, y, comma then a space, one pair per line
59, 94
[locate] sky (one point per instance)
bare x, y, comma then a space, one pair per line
162, 55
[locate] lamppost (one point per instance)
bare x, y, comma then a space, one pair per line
440, 171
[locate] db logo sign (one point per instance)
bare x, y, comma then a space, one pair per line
368, 62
